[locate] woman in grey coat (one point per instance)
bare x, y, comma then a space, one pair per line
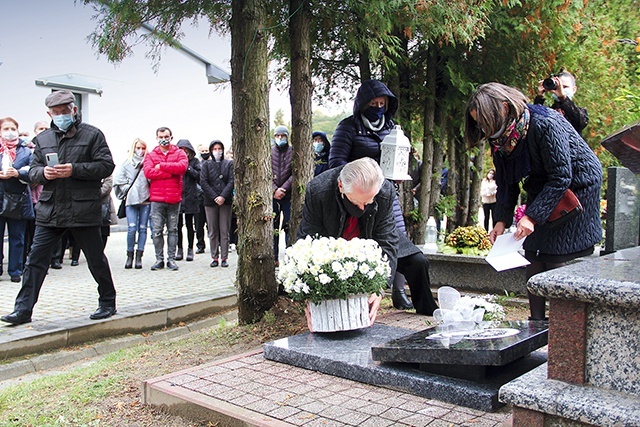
131, 183
536, 145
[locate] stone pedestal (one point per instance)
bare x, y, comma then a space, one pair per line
473, 273
593, 373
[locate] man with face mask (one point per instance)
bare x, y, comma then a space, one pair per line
281, 156
354, 200
164, 167
70, 200
563, 103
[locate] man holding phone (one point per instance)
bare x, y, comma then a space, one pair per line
70, 159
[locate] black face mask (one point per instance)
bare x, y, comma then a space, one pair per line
205, 156
352, 209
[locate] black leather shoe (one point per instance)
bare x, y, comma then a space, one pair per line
17, 318
103, 313
214, 263
74, 263
400, 300
171, 265
200, 251
56, 265
159, 265
15, 279
224, 263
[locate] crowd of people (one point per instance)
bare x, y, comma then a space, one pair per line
56, 191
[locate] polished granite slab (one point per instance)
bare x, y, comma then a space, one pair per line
348, 355
478, 354
494, 345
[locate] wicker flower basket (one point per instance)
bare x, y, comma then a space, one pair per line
340, 315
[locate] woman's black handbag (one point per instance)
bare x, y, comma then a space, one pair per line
12, 205
122, 209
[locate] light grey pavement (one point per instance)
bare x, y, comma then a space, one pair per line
145, 299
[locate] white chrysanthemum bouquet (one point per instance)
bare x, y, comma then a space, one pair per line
327, 268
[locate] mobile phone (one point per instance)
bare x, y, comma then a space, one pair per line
52, 159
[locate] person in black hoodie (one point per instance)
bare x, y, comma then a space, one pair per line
189, 207
321, 147
216, 180
358, 136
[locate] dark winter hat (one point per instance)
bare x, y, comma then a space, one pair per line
60, 97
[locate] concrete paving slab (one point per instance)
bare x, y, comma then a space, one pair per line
145, 300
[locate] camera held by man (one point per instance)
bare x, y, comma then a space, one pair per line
562, 87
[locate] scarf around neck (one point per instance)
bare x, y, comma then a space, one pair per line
8, 148
375, 126
514, 132
512, 163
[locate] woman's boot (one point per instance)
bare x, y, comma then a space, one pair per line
398, 294
129, 262
190, 254
139, 259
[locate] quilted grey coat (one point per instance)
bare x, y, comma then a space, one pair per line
559, 159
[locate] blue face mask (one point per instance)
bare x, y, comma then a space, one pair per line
63, 121
281, 142
319, 147
373, 114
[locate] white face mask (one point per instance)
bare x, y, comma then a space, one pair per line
139, 152
10, 135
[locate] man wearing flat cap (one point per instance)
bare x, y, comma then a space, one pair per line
70, 159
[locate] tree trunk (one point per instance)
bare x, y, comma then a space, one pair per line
452, 182
257, 289
426, 176
300, 97
476, 180
462, 182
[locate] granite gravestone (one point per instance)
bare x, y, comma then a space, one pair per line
623, 210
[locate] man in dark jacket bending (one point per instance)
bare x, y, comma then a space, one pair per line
355, 200
70, 159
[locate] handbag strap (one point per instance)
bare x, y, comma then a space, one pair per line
132, 182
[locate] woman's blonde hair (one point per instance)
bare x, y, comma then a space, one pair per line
488, 102
132, 150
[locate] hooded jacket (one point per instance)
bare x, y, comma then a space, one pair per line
191, 181
165, 183
73, 201
322, 160
352, 139
216, 178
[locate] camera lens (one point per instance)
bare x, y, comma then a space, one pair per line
549, 84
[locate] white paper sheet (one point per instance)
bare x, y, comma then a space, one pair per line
504, 254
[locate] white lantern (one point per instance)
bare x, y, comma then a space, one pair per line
394, 159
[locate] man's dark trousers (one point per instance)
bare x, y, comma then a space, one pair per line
44, 240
